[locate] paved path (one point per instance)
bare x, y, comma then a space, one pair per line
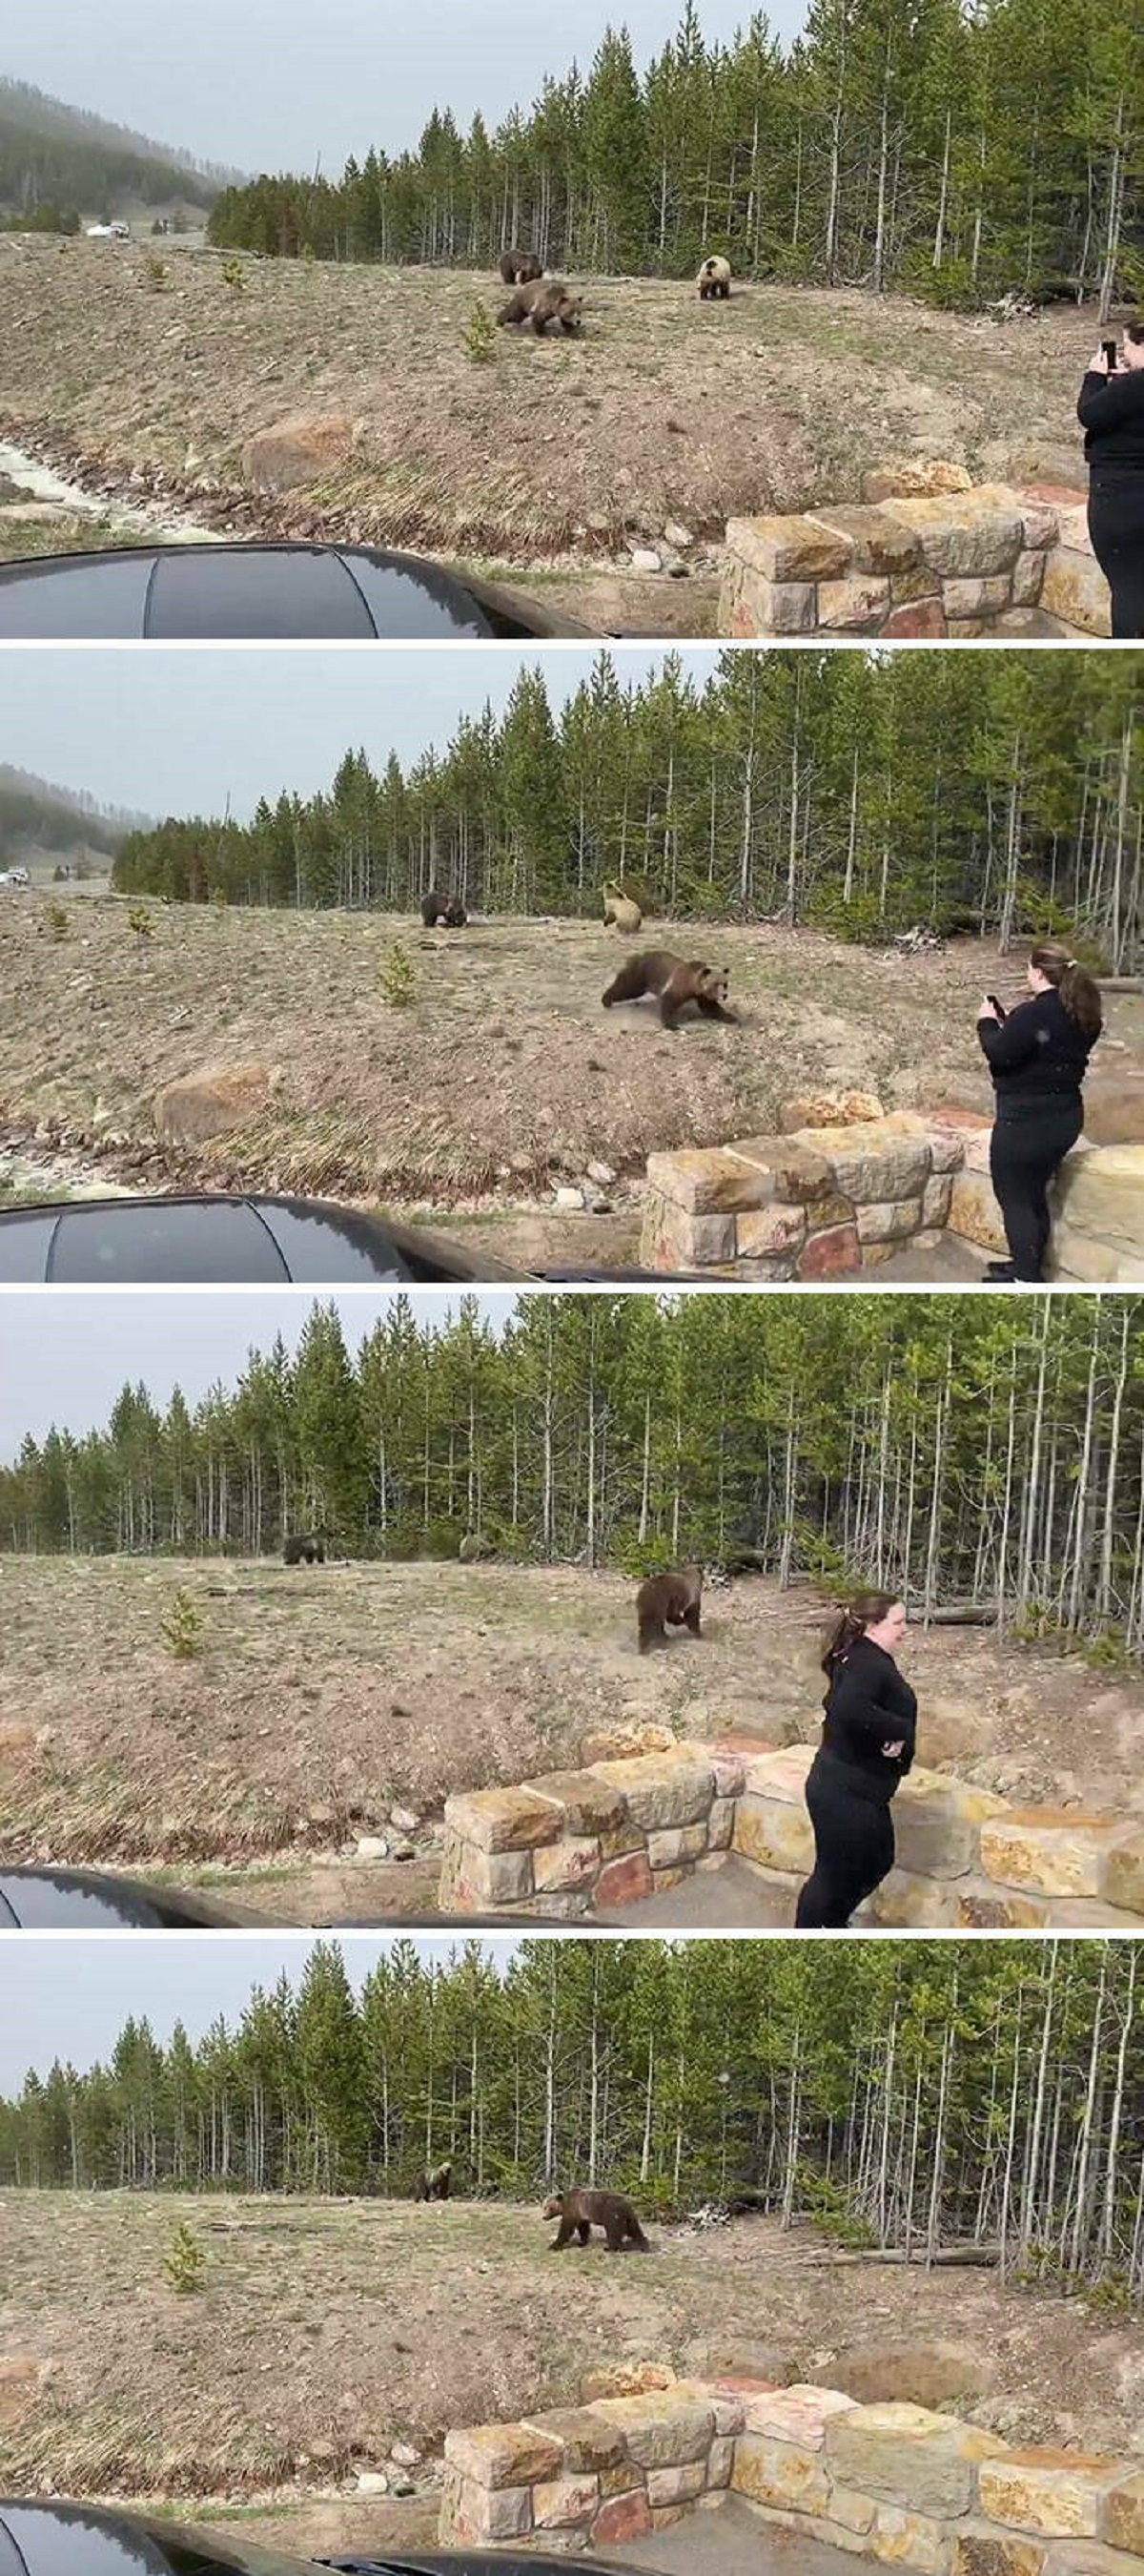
730, 2540
727, 1899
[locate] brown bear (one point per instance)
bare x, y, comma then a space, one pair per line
669, 1601
434, 2182
442, 911
519, 267
580, 2211
621, 909
714, 281
548, 301
304, 1550
675, 981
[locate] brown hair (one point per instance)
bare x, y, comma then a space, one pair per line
1079, 991
862, 1612
1135, 330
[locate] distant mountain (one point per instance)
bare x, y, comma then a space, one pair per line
67, 156
34, 814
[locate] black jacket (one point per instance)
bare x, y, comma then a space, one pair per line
1037, 1054
868, 1705
1111, 409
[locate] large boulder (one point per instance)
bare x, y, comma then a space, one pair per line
936, 2375
1099, 1235
914, 478
304, 449
216, 1101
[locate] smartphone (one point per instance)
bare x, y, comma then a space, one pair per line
1109, 348
999, 1007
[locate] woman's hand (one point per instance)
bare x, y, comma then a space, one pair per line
893, 1752
1099, 365
988, 1010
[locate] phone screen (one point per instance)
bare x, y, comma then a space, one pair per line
999, 1007
1109, 347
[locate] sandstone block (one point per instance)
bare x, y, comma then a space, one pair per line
974, 1213
502, 1820
1122, 1877
708, 1181
677, 1846
663, 1789
774, 1168
827, 1109
907, 1902
770, 1230
903, 2539
624, 2379
586, 1802
572, 1862
1122, 2520
661, 2431
979, 2549
983, 596
624, 1882
938, 1823
779, 2473
856, 606
472, 1879
972, 536
586, 2444
797, 2413
830, 1254
881, 1159
721, 1825
888, 1220
1028, 575
676, 2486
721, 2460
910, 476
936, 1198
1074, 588
921, 617
791, 549
623, 2517
567, 2503
502, 2455
1058, 2493
1051, 1851
924, 2462
775, 1835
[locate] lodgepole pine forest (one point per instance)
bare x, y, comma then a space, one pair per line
951, 151
858, 792
909, 2094
948, 1446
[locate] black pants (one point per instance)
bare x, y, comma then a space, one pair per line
1116, 526
853, 1848
1024, 1152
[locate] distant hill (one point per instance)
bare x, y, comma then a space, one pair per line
54, 154
35, 815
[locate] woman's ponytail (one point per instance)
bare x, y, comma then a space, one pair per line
862, 1612
1079, 991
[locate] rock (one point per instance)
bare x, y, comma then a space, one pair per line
796, 550
911, 477
661, 2430
569, 1198
300, 450
564, 2504
213, 1102
922, 617
770, 1230
622, 2379
1074, 588
661, 1790
1114, 1106
855, 606
921, 2374
880, 542
828, 1109
405, 2455
371, 1847
622, 2518
918, 2459
602, 1174
502, 1820
984, 596
717, 2357
974, 1213
645, 559
877, 1160
888, 1220
624, 1882
502, 2455
978, 534
1052, 1851
572, 1862
1028, 575
372, 2482
752, 605
589, 1801
831, 1254
406, 1821
677, 535
1100, 1198
1057, 2493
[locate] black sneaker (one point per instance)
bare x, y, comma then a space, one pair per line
1002, 1272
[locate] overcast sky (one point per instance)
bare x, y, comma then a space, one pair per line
70, 2001
167, 731
64, 1357
270, 84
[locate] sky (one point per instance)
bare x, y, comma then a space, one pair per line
162, 730
65, 1358
53, 2008
271, 85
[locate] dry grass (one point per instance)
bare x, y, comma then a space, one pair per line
326, 2330
503, 1070
665, 409
323, 1697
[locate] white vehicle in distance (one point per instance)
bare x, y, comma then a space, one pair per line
14, 877
108, 232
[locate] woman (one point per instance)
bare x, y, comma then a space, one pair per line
867, 1747
1038, 1057
1111, 408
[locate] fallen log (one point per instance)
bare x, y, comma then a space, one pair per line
949, 2257
964, 1614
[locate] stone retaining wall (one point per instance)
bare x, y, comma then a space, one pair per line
823, 1201
631, 1824
923, 555
897, 2483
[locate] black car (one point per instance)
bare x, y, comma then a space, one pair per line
180, 592
39, 2539
214, 1237
43, 1897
